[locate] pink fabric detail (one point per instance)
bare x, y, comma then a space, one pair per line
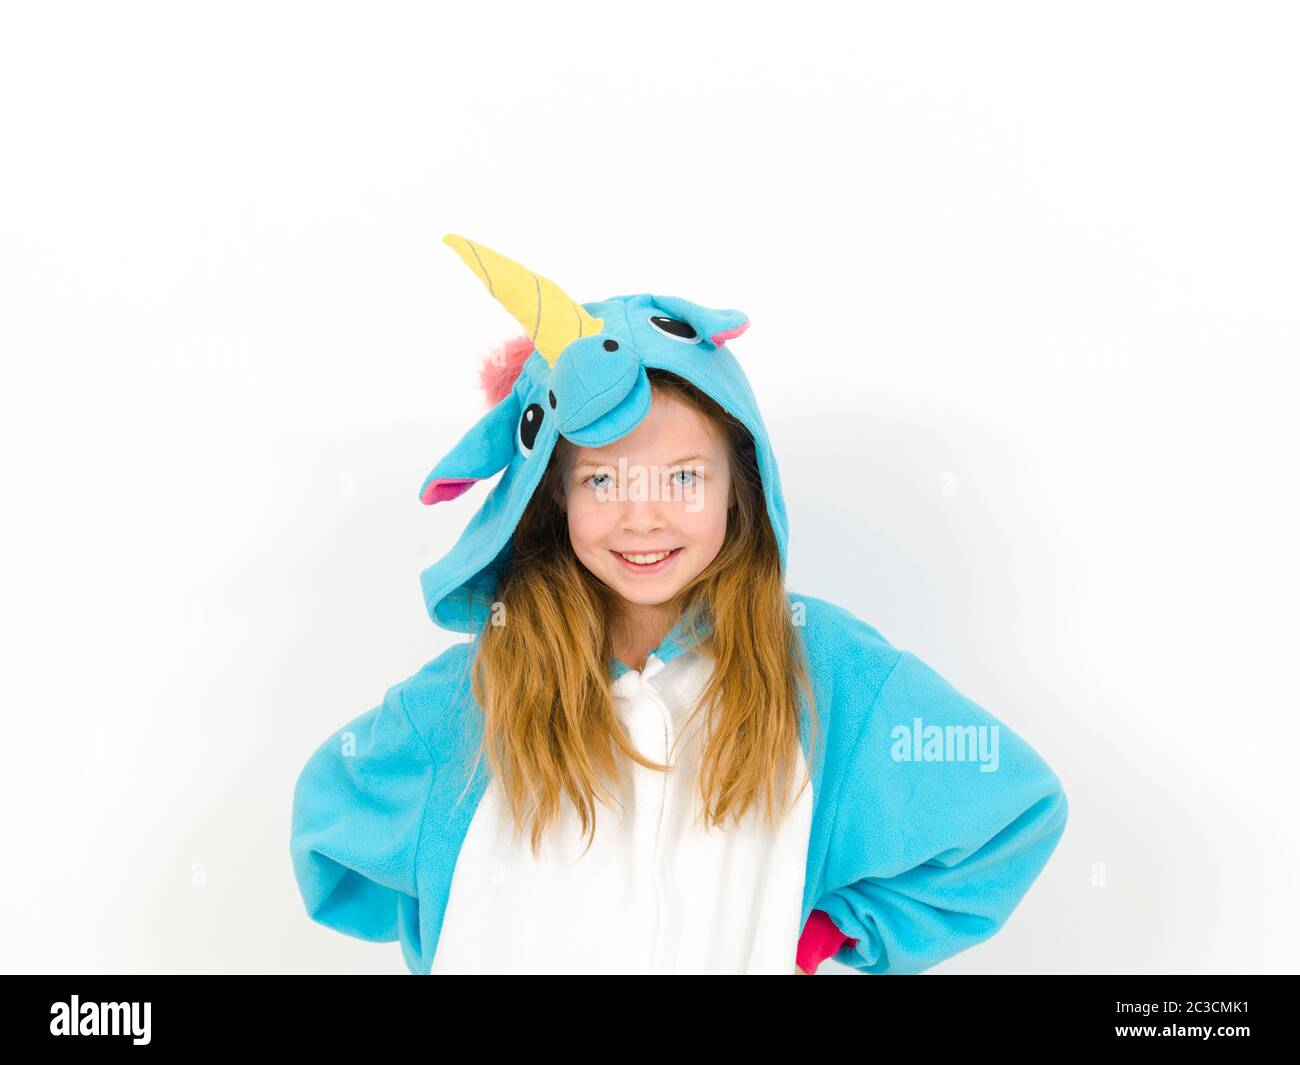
502, 367
821, 939
441, 489
718, 339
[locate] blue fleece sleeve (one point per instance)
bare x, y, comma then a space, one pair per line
357, 810
944, 820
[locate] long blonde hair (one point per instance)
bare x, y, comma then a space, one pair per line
542, 677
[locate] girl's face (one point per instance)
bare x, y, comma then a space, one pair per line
664, 489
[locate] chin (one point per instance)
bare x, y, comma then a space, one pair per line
644, 596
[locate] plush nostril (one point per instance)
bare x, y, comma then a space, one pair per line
551, 396
611, 345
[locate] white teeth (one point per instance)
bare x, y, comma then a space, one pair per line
645, 560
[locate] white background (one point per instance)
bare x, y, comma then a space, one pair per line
1023, 283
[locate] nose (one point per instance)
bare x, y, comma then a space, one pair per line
593, 377
642, 514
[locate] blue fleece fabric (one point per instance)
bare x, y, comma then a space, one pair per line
931, 819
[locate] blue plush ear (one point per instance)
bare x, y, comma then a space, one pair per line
483, 451
716, 326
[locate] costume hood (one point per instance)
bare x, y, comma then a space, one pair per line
579, 372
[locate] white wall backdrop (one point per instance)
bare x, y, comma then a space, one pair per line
1023, 284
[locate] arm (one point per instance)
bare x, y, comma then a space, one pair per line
357, 810
933, 852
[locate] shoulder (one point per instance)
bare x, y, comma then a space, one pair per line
435, 698
846, 655
835, 636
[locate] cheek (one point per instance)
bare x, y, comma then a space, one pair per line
705, 520
587, 522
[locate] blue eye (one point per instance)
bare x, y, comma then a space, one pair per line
592, 478
689, 473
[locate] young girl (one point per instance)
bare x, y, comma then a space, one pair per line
650, 756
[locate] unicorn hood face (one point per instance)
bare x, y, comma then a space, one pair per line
580, 372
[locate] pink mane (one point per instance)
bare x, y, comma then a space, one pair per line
502, 367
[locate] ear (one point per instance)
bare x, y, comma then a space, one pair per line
483, 451
716, 326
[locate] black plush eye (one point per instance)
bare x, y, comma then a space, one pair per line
675, 329
530, 424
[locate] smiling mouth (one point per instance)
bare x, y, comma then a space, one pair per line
648, 560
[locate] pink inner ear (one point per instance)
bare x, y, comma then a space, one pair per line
718, 339
441, 489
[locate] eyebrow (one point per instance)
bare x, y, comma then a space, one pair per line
687, 458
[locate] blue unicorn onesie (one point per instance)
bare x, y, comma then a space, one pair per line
928, 819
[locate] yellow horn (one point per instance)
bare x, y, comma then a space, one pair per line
552, 319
